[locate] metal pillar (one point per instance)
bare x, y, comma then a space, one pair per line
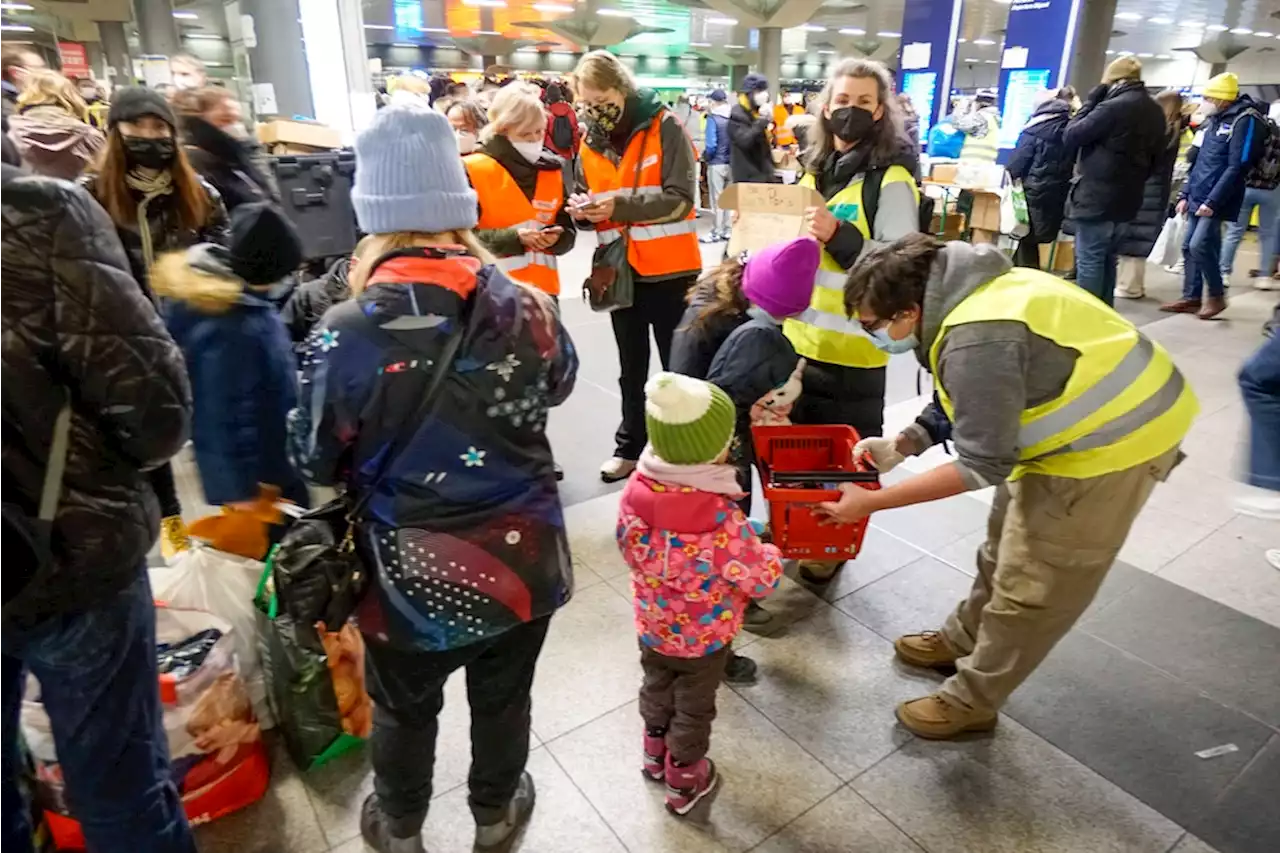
1093, 31
278, 57
737, 73
770, 41
157, 31
116, 49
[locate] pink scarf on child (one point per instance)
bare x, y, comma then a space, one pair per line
717, 478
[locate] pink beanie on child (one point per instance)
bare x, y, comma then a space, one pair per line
779, 278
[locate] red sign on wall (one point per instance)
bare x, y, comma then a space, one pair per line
74, 61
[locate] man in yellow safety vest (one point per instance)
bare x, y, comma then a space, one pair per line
1049, 395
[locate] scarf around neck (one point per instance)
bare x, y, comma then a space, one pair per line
151, 186
711, 477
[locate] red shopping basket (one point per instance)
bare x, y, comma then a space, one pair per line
801, 466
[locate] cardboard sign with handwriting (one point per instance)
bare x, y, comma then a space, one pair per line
767, 213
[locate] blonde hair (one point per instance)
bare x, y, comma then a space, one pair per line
409, 83
374, 246
600, 69
49, 88
515, 105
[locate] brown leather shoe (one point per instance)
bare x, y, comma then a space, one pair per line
928, 649
934, 718
1182, 306
1213, 306
819, 573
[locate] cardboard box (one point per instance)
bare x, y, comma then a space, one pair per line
951, 229
984, 235
767, 213
943, 173
313, 135
1064, 256
986, 211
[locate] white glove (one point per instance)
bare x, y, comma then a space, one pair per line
883, 452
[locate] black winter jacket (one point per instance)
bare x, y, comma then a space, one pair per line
750, 157
1044, 163
77, 327
695, 344
1141, 232
232, 166
1120, 135
167, 233
311, 299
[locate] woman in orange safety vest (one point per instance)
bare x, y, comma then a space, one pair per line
521, 189
636, 182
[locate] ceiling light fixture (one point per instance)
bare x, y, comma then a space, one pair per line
983, 42
735, 47
814, 28
699, 44
1242, 31
728, 22
485, 33
17, 28
1192, 25
1264, 34
432, 29
1144, 55
551, 7
1160, 20
404, 44
972, 60
182, 16
825, 52
1217, 28
488, 4
1163, 56
1111, 53
961, 40
852, 31
889, 34
988, 62
17, 7
1128, 16
613, 13
202, 36
378, 27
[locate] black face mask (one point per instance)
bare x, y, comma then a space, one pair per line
148, 153
851, 124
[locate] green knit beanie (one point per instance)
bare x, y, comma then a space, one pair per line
690, 421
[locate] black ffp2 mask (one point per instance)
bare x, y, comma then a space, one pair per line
149, 153
851, 124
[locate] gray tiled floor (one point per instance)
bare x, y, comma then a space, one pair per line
1095, 755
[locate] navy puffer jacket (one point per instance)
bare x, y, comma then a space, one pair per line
1044, 163
1234, 139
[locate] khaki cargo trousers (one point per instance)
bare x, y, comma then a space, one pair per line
1050, 543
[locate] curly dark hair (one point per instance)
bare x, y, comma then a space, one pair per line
722, 286
892, 278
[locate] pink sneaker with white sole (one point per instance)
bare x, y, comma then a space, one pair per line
688, 786
655, 756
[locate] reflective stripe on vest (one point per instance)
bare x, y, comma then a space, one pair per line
655, 248
985, 149
824, 332
1124, 403
504, 205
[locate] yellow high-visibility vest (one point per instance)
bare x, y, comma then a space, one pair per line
984, 149
824, 331
1125, 402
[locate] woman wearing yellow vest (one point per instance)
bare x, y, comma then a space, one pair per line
636, 182
521, 189
859, 137
1054, 398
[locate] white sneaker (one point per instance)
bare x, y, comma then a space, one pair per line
1261, 505
1125, 294
1175, 269
1266, 282
616, 469
1273, 557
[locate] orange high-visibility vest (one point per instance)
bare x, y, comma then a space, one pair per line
657, 249
504, 205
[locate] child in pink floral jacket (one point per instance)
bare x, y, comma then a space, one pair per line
695, 563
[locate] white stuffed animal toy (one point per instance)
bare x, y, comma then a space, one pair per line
774, 408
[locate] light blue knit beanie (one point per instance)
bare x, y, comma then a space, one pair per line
409, 176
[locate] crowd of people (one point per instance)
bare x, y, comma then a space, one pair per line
418, 376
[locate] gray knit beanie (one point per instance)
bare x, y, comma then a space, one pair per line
409, 176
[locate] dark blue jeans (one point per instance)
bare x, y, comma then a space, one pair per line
97, 673
1260, 387
1202, 253
1097, 242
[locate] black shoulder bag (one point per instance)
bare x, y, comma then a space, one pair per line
612, 283
318, 574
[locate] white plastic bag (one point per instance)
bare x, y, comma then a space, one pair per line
1012, 220
1169, 244
223, 584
